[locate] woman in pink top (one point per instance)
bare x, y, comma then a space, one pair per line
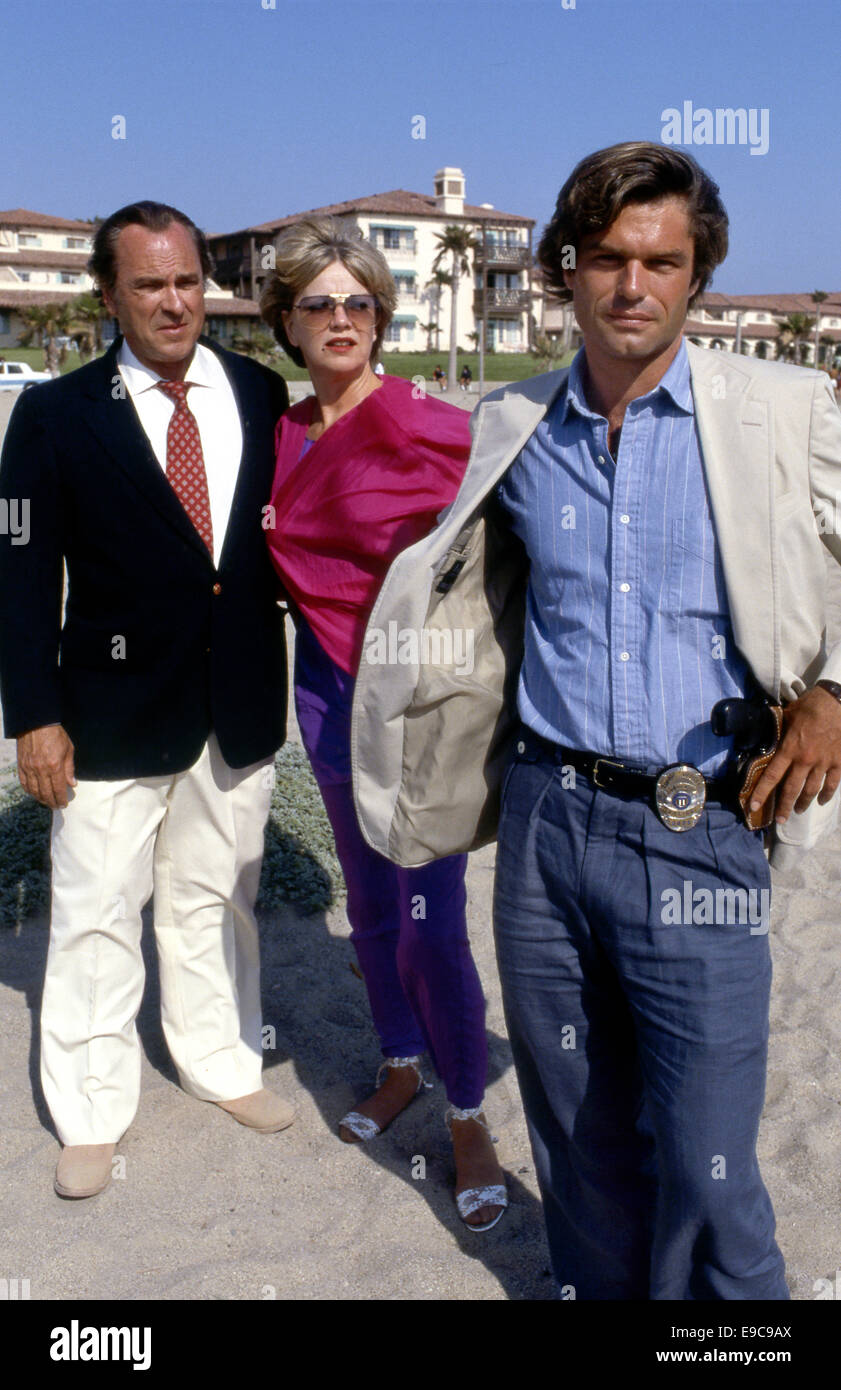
363, 470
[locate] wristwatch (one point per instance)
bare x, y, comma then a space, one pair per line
832, 688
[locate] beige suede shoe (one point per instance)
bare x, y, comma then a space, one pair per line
83, 1169
262, 1110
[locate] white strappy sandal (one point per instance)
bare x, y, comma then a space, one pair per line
473, 1198
362, 1125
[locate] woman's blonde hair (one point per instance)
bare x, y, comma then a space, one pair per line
309, 247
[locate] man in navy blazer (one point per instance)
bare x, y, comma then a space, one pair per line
149, 717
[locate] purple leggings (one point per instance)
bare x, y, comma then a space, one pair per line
409, 926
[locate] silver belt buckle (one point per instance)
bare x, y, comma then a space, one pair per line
679, 796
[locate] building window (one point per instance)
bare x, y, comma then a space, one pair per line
400, 331
65, 278
5, 323
393, 238
76, 243
27, 239
405, 285
502, 280
506, 239
25, 275
504, 333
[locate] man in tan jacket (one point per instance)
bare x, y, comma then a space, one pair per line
634, 542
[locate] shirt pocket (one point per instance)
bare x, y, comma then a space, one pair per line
696, 580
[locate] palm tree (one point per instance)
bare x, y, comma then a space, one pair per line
90, 313
438, 280
455, 242
48, 322
794, 331
783, 343
257, 343
429, 329
548, 351
828, 354
818, 297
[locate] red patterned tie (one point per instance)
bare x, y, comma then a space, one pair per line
185, 469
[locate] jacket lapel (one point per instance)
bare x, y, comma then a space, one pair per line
113, 419
253, 485
504, 425
736, 433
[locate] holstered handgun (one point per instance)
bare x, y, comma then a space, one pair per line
756, 726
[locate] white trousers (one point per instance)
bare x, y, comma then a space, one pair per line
196, 838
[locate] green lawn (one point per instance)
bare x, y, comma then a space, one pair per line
499, 366
35, 357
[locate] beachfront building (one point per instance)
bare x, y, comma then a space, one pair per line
768, 325
404, 226
43, 261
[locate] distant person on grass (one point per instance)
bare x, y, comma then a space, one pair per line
148, 722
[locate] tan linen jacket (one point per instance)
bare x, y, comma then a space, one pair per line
430, 737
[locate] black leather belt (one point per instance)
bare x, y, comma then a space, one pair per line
678, 793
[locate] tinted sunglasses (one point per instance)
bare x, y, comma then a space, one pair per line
318, 309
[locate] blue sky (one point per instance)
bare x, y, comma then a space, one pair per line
240, 113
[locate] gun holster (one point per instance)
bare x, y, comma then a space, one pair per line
756, 727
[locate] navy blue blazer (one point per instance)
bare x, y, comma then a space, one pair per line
202, 648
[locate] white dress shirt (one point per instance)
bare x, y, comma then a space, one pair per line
214, 405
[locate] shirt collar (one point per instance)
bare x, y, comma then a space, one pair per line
675, 382
139, 378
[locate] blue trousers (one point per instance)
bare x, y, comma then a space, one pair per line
638, 1019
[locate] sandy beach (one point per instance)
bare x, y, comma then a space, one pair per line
202, 1208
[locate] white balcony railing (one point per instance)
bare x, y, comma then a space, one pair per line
405, 251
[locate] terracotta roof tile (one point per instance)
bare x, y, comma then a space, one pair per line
777, 303
26, 259
218, 308
21, 217
25, 299
694, 328
226, 308
399, 202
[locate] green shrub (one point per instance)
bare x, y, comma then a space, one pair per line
299, 866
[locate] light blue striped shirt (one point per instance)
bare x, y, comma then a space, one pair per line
628, 636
